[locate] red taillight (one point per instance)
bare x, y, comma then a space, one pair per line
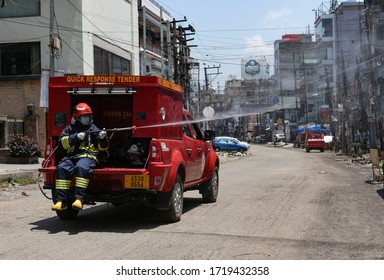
156, 152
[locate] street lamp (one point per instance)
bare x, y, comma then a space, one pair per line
30, 108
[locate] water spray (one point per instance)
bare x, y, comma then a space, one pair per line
204, 119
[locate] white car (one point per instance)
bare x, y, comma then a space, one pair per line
280, 137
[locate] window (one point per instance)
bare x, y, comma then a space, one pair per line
196, 132
20, 59
327, 27
380, 30
20, 8
15, 126
108, 63
186, 130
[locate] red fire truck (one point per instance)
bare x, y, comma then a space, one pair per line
156, 152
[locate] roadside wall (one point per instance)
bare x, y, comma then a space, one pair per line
14, 97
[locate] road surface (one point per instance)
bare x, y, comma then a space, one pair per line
274, 204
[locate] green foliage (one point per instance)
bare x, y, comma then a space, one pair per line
23, 146
23, 181
18, 181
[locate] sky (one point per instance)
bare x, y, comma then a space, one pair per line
226, 31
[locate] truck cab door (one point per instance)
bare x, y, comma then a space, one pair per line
201, 150
196, 148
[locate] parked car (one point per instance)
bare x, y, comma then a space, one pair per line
280, 137
225, 143
260, 139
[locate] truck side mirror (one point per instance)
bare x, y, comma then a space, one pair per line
209, 135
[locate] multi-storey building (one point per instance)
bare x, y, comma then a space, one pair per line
65, 37
42, 38
371, 73
294, 70
155, 25
339, 44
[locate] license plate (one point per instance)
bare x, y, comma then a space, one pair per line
136, 182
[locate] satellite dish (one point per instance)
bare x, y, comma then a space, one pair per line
208, 112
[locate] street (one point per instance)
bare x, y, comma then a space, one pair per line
277, 203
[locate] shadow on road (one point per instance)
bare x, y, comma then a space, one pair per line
127, 218
381, 193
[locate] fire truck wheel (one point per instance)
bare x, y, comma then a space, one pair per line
67, 214
212, 188
173, 214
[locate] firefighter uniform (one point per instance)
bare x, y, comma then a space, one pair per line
82, 157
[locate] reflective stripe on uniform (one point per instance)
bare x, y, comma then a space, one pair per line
82, 182
102, 149
65, 142
63, 184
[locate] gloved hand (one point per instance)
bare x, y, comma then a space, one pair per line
102, 134
81, 136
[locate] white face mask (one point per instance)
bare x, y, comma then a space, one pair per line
85, 119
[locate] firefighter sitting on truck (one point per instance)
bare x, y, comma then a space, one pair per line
82, 140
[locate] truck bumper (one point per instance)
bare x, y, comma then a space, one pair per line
107, 185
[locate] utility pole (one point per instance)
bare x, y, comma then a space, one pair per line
328, 97
52, 55
305, 90
144, 51
295, 83
176, 46
162, 50
181, 55
169, 51
207, 83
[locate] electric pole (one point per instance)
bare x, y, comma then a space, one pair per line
207, 83
51, 23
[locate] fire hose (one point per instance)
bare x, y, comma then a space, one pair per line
133, 128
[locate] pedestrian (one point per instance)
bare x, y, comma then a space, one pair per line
82, 141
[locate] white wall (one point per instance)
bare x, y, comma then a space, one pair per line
114, 27
115, 22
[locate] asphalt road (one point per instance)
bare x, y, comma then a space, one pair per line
274, 204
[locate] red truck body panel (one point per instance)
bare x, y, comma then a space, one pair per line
148, 94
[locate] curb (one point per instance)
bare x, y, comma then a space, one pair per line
7, 174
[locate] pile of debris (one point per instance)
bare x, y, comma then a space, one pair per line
225, 156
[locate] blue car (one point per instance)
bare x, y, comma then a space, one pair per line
225, 143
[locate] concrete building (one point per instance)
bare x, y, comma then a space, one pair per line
339, 45
295, 62
371, 73
45, 37
242, 104
155, 50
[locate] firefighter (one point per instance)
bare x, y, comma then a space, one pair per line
82, 140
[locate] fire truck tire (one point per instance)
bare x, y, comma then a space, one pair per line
211, 188
173, 214
67, 214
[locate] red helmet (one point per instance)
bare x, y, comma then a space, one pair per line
81, 109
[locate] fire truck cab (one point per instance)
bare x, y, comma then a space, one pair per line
156, 152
